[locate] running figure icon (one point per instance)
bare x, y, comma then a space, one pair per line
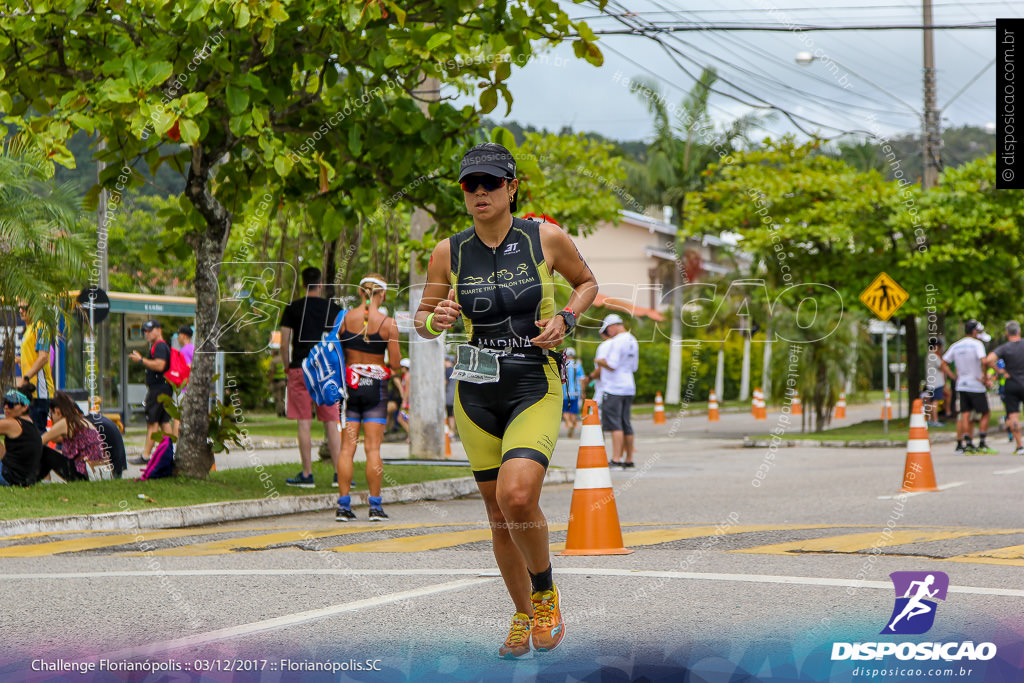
917, 594
915, 606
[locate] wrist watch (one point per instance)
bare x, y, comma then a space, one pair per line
569, 316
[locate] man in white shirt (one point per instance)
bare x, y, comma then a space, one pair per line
971, 385
617, 368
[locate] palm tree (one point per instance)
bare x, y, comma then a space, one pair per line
41, 249
676, 159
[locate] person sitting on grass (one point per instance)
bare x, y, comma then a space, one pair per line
80, 442
22, 448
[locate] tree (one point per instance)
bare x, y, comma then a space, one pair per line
312, 99
806, 219
41, 248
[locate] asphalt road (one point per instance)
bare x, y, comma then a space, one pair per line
731, 575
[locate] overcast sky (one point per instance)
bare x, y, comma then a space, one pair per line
878, 68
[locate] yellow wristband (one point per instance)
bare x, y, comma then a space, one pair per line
430, 329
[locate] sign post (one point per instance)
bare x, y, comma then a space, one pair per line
94, 307
883, 297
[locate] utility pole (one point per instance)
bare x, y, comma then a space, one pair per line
426, 356
930, 135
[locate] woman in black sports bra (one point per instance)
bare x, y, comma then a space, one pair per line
366, 334
499, 275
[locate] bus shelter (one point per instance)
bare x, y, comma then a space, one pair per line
119, 382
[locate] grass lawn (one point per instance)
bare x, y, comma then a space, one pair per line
868, 430
50, 500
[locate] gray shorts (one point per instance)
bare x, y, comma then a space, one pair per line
615, 411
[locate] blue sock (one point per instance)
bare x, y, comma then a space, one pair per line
345, 501
375, 501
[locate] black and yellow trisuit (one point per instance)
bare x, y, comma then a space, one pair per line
503, 291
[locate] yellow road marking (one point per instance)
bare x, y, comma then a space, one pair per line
851, 543
264, 541
412, 544
37, 534
1012, 555
657, 536
75, 545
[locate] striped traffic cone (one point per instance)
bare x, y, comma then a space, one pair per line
918, 473
796, 407
659, 409
712, 407
887, 407
593, 518
760, 407
447, 442
840, 407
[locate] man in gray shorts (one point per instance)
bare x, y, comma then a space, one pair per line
1012, 355
617, 367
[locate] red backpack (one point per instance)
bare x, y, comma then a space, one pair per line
177, 371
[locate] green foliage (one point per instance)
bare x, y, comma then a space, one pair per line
42, 246
572, 178
224, 428
244, 365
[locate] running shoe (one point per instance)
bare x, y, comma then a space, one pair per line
628, 465
518, 642
301, 480
960, 450
985, 450
378, 515
1019, 451
548, 627
344, 515
138, 460
614, 465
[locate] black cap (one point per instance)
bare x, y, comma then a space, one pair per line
150, 324
185, 330
971, 325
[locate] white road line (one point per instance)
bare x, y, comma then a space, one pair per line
1015, 470
480, 575
285, 621
918, 493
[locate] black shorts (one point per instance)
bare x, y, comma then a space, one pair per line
1013, 396
976, 401
615, 413
156, 414
516, 417
368, 402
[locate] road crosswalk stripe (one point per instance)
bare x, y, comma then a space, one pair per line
75, 545
851, 543
658, 536
264, 541
1012, 555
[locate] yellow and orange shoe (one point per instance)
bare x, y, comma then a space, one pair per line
548, 627
518, 642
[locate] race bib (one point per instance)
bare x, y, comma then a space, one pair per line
475, 365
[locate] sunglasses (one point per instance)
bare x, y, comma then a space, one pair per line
490, 183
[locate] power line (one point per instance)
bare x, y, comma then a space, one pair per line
665, 27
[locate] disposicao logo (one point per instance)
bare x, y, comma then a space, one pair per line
914, 614
916, 592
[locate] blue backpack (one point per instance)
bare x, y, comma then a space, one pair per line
324, 369
161, 463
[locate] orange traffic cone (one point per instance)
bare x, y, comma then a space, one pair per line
659, 409
593, 518
760, 407
796, 407
712, 408
918, 473
753, 403
840, 407
887, 407
447, 443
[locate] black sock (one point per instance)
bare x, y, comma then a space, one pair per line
959, 443
542, 581
981, 439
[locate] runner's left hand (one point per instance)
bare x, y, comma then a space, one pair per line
553, 332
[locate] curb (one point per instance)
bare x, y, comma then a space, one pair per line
209, 513
825, 443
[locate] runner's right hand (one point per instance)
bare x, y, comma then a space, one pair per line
446, 312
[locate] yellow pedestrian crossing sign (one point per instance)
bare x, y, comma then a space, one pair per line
884, 297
